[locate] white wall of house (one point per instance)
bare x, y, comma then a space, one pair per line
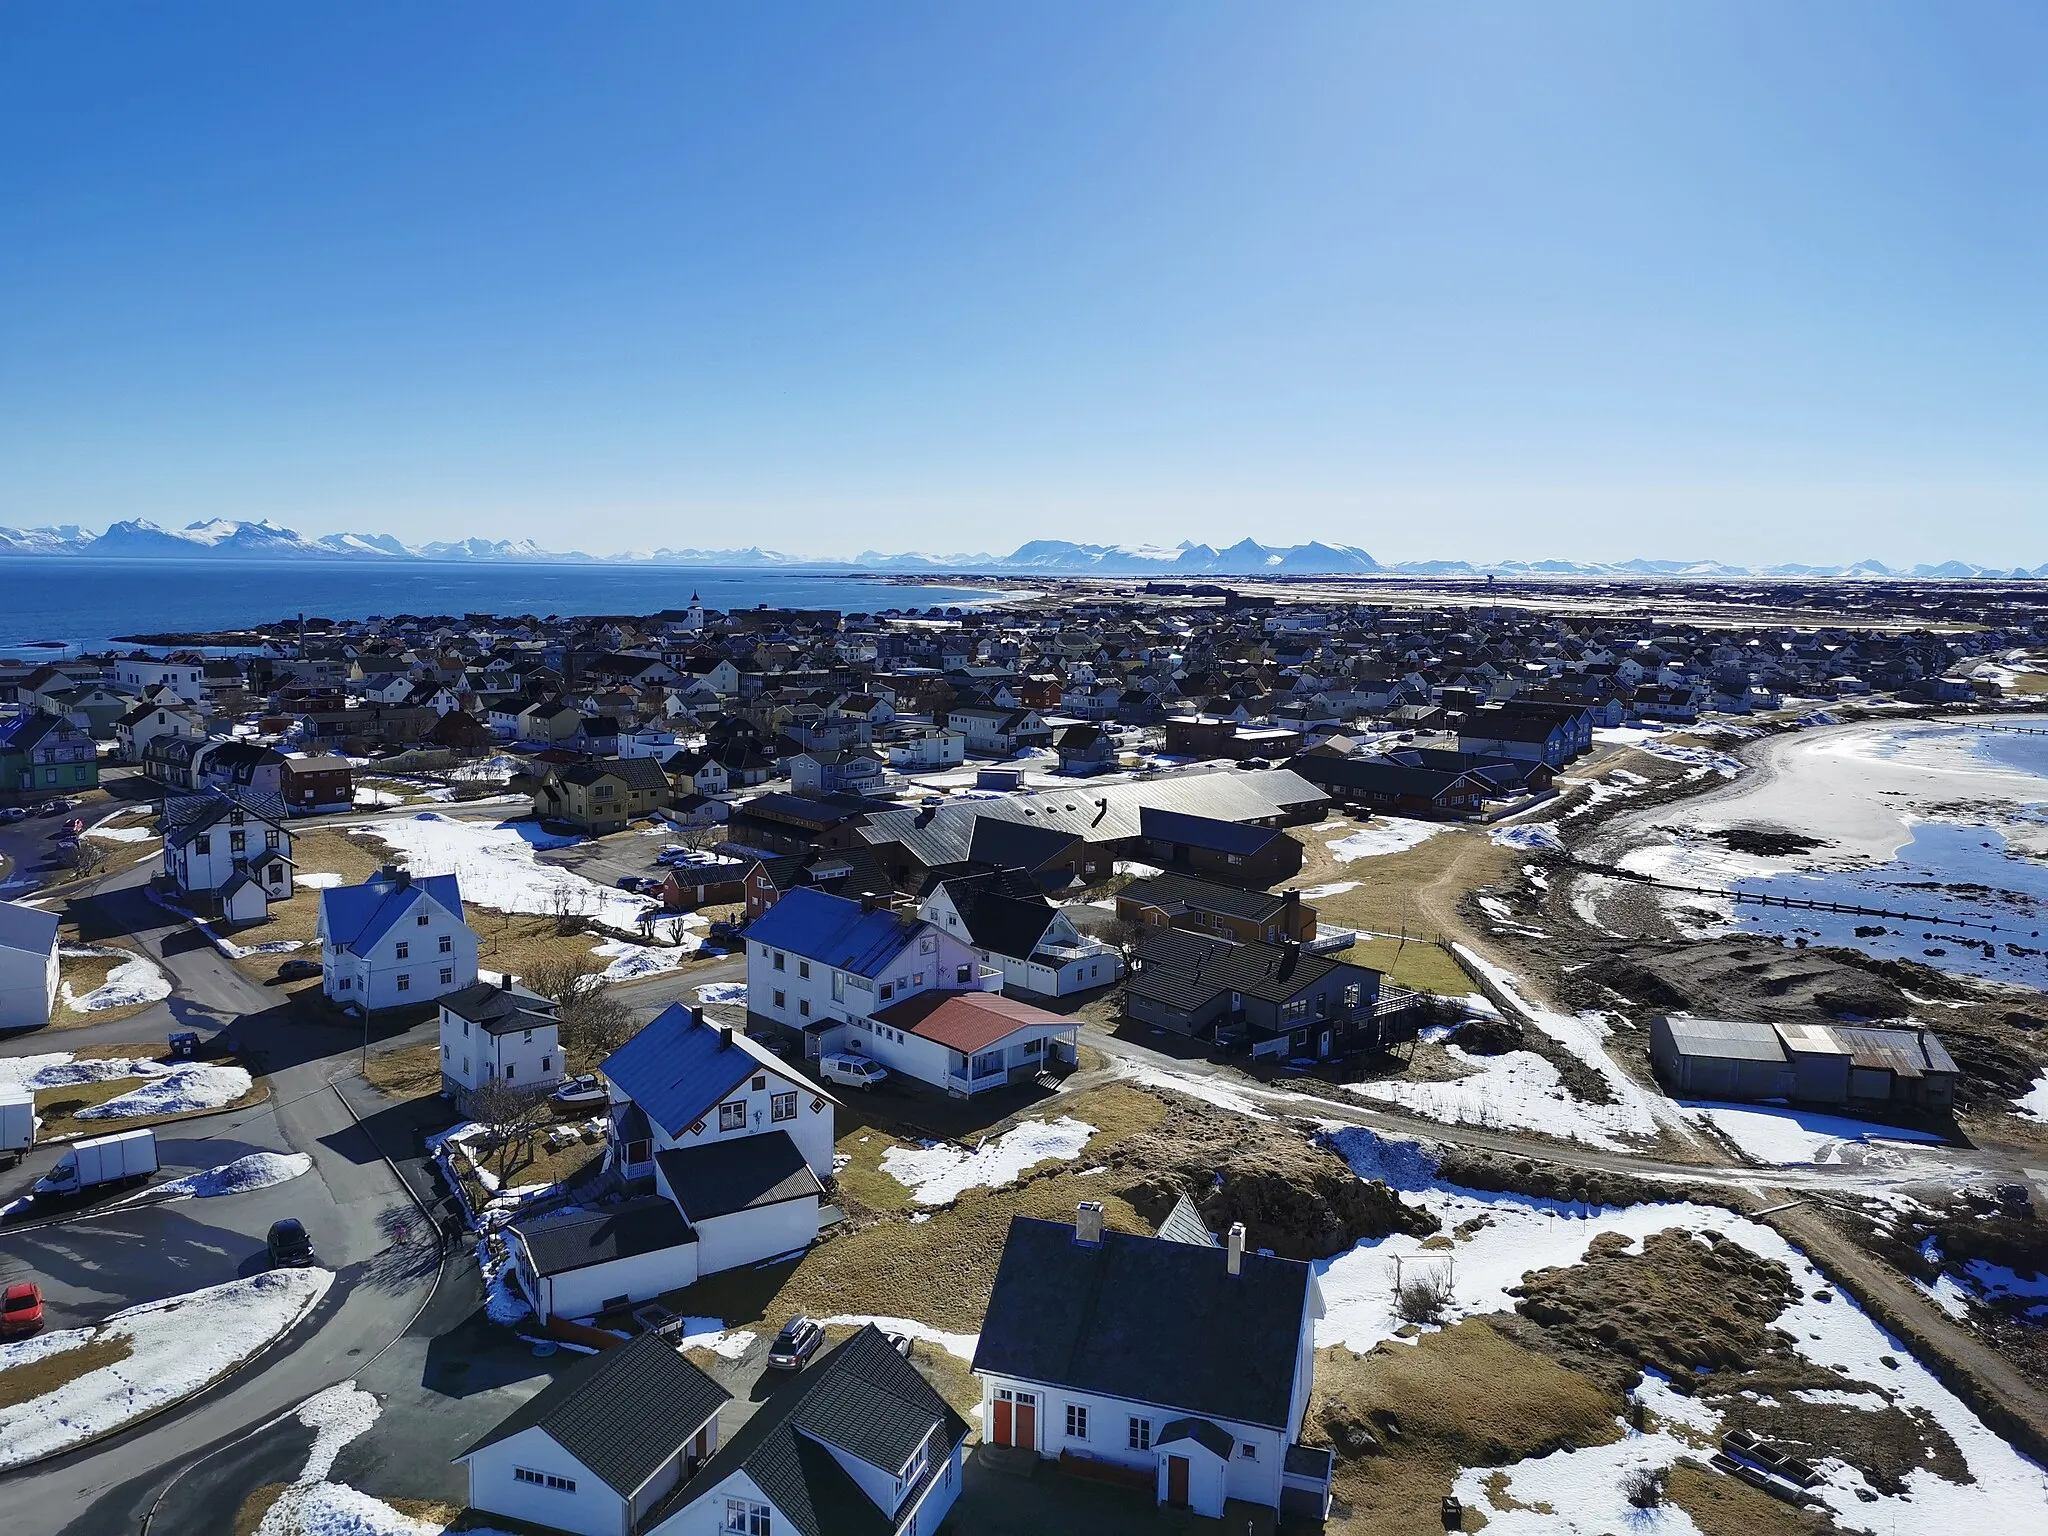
929, 749
186, 679
209, 859
387, 978
1254, 1478
705, 1514
584, 1292
798, 990
1098, 967
592, 1509
1208, 1478
28, 987
810, 1129
747, 1237
472, 1056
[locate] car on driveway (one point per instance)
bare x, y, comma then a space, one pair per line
14, 813
851, 1071
794, 1346
298, 970
639, 884
291, 1246
21, 1310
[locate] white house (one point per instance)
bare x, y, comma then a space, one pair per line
183, 672
648, 741
1014, 928
923, 750
134, 731
228, 852
815, 961
1000, 732
28, 965
1164, 1355
393, 940
733, 1144
495, 1030
863, 1443
597, 1449
963, 1042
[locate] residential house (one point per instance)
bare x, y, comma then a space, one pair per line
1268, 999
921, 750
227, 852
176, 761
1188, 1364
92, 707
598, 1449
695, 772
244, 765
853, 771
42, 755
1225, 911
314, 783
602, 796
1084, 749
815, 961
731, 1142
182, 672
28, 965
167, 716
996, 732
1374, 784
1012, 927
963, 1042
495, 1030
394, 940
859, 1443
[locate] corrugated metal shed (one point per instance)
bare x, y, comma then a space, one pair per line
1729, 1039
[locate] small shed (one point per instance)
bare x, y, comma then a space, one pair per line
1720, 1058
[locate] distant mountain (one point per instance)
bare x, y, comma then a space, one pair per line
227, 539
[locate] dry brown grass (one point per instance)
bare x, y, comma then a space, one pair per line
59, 1107
84, 973
249, 1517
1465, 1397
2030, 683
410, 1072
24, 1383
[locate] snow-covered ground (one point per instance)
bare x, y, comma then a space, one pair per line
258, 1170
1518, 1090
1575, 1491
733, 993
60, 1069
1391, 835
495, 864
136, 980
709, 1333
1784, 1136
960, 1345
174, 1090
1210, 1090
629, 960
1531, 837
318, 880
2033, 1105
106, 834
937, 1173
176, 1347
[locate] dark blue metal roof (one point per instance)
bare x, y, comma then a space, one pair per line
679, 1068
834, 931
1204, 831
357, 916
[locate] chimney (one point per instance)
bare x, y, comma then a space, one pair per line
1088, 1224
506, 980
724, 1036
867, 903
1233, 1254
1292, 921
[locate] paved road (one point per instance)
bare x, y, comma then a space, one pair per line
373, 1237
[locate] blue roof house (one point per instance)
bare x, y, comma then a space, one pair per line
395, 940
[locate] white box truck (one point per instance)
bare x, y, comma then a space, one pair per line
18, 1123
99, 1160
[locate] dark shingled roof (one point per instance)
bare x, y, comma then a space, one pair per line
578, 1239
740, 1174
1217, 1440
862, 1397
1147, 1320
1169, 890
622, 1413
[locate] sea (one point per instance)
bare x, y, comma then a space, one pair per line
54, 606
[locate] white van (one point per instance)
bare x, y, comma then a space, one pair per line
851, 1071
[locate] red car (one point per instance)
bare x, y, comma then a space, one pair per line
21, 1310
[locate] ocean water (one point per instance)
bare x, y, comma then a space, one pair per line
84, 602
1984, 890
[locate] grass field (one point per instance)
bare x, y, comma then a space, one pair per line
84, 974
59, 1107
410, 1072
24, 1383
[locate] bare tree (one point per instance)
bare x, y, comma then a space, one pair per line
567, 909
512, 1116
594, 1022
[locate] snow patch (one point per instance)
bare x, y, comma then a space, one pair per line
259, 1170
960, 1345
178, 1091
733, 993
132, 983
1532, 837
495, 864
1380, 838
937, 1174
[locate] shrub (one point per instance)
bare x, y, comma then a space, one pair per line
1643, 1487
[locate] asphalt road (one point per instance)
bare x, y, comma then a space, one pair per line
363, 1219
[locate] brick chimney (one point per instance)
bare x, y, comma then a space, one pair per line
724, 1036
1233, 1253
1088, 1223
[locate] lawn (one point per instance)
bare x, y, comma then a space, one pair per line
84, 974
410, 1072
24, 1383
59, 1107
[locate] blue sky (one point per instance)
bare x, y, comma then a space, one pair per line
1754, 281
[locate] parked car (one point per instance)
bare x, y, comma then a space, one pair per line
290, 1244
50, 808
21, 1310
724, 928
851, 1071
298, 970
583, 1090
794, 1346
639, 884
14, 813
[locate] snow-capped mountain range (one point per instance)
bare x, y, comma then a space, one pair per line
223, 539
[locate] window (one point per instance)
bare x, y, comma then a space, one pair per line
779, 958
733, 1116
782, 1106
1141, 1434
743, 1517
203, 843
803, 968
1247, 1451
448, 979
803, 1006
778, 1001
1077, 1422
887, 991
963, 974
547, 1063
421, 920
344, 984
404, 982
404, 950
238, 842
1034, 1047
511, 1071
987, 1062
271, 839
544, 1480
447, 943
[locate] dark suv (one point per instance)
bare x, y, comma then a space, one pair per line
289, 1244
794, 1346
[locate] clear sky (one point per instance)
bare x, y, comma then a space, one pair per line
1758, 281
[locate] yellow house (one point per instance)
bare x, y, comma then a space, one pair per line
602, 795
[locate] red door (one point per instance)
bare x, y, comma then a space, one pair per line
1003, 1419
1027, 1421
1177, 1481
